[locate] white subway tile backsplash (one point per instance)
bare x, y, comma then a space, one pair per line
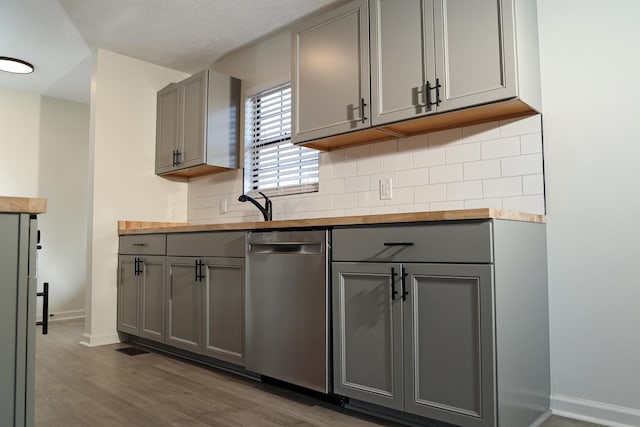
318, 203
462, 153
345, 201
344, 169
504, 147
464, 190
413, 177
520, 126
331, 186
357, 183
379, 210
532, 204
356, 153
482, 170
430, 193
367, 199
397, 162
491, 165
481, 132
502, 187
414, 143
379, 149
522, 165
401, 196
445, 137
483, 203
531, 143
447, 206
532, 184
370, 166
448, 173
428, 158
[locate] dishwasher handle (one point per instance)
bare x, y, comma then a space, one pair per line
299, 248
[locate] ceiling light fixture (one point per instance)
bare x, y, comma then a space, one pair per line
13, 65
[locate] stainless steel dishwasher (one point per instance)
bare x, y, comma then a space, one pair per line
287, 307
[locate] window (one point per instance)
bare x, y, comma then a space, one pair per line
273, 164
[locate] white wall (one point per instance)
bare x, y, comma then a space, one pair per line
19, 143
121, 168
63, 181
590, 80
44, 146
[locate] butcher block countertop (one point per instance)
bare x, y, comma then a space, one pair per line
141, 227
22, 205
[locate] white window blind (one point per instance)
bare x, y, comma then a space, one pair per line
273, 164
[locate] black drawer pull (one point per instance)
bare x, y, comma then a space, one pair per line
398, 244
139, 244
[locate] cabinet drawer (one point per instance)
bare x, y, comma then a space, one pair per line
217, 244
143, 244
462, 242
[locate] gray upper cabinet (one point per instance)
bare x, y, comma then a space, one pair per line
331, 73
474, 60
433, 56
402, 58
191, 137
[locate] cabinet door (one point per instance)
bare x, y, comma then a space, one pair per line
448, 322
194, 120
331, 73
152, 299
167, 127
184, 304
128, 296
402, 59
475, 51
223, 308
367, 334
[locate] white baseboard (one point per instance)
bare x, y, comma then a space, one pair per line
594, 412
91, 340
62, 315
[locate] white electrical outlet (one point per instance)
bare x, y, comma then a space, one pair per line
386, 188
222, 205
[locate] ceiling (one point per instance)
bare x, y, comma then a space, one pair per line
57, 36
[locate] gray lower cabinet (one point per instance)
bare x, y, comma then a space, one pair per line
18, 242
447, 321
205, 306
409, 337
141, 286
184, 304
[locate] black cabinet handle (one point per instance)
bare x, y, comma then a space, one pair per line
362, 105
173, 160
398, 244
139, 244
427, 94
136, 260
199, 276
178, 154
393, 284
428, 88
196, 270
200, 271
404, 290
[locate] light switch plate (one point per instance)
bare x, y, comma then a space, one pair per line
386, 188
222, 206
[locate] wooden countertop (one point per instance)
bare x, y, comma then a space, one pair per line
23, 205
140, 227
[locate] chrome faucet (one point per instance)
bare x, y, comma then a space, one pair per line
266, 210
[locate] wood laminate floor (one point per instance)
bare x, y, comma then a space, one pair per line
82, 386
